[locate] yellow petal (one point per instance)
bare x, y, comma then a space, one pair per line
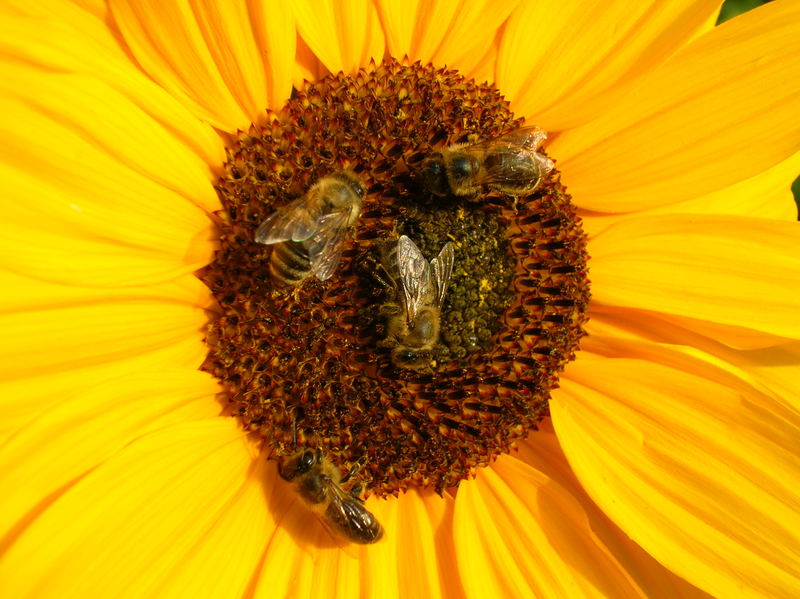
73, 125
53, 340
286, 570
23, 400
35, 294
228, 34
734, 277
525, 528
56, 9
635, 334
709, 23
276, 36
343, 35
96, 7
400, 22
542, 452
694, 124
424, 522
481, 68
453, 34
135, 523
180, 49
765, 195
105, 213
72, 259
777, 368
55, 39
561, 63
703, 475
308, 67
303, 560
241, 529
81, 431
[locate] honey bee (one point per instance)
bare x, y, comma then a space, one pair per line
309, 231
317, 481
413, 315
509, 164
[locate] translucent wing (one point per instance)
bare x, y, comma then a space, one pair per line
442, 267
528, 138
316, 221
524, 139
293, 222
325, 246
303, 217
350, 519
415, 276
512, 165
512, 158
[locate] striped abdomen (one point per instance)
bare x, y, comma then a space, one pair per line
289, 264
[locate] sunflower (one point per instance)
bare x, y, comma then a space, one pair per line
661, 462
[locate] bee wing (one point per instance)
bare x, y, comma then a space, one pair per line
348, 517
512, 157
415, 276
291, 222
300, 219
325, 246
528, 138
442, 267
525, 139
509, 163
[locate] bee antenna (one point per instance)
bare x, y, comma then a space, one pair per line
293, 411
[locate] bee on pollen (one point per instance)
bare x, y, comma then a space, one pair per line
414, 313
509, 163
308, 232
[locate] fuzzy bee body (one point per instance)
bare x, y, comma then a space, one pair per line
308, 232
509, 164
413, 315
317, 481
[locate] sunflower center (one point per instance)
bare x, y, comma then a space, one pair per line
312, 363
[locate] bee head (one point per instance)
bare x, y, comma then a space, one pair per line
297, 463
412, 359
434, 175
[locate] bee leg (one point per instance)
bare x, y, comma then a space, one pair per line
390, 342
381, 275
357, 465
356, 492
389, 309
366, 265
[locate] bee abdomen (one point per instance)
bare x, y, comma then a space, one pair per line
354, 522
289, 263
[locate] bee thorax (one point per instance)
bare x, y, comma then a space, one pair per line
434, 176
313, 489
